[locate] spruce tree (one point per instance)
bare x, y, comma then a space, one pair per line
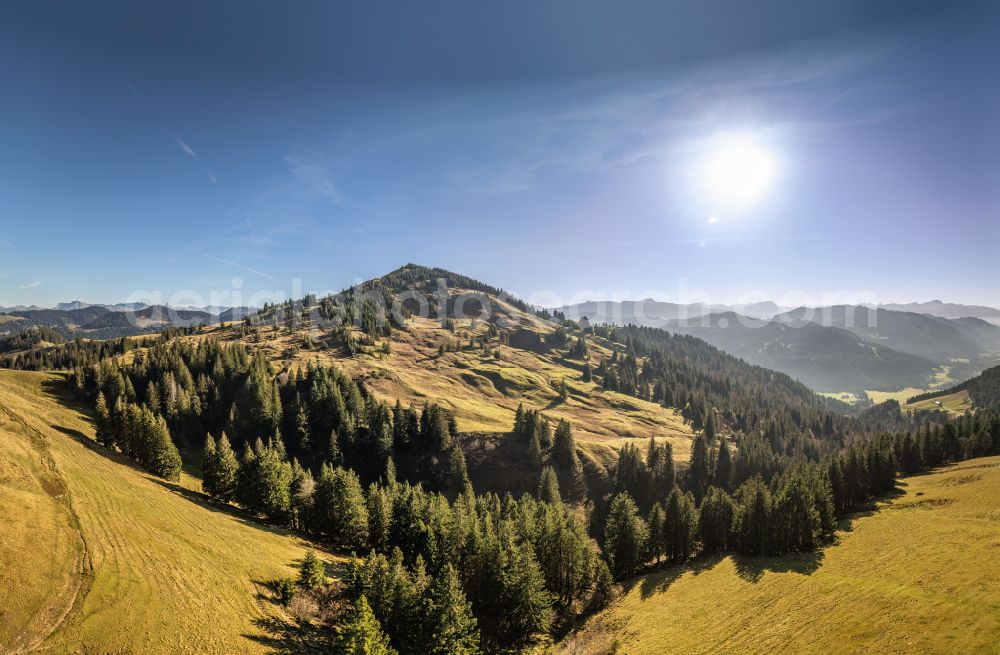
715, 520
523, 595
604, 587
680, 525
657, 532
333, 454
272, 479
625, 536
797, 520
458, 474
227, 469
452, 626
346, 518
102, 421
548, 487
379, 518
753, 518
164, 459
698, 476
360, 633
723, 474
302, 489
246, 478
209, 467
303, 443
535, 452
312, 572
564, 447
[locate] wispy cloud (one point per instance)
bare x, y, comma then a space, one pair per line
185, 147
247, 244
30, 285
212, 177
311, 170
241, 266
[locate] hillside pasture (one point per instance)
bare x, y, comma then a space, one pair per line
100, 557
484, 390
920, 573
956, 403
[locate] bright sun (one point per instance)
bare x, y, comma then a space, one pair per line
736, 172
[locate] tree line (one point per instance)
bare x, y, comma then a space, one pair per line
748, 500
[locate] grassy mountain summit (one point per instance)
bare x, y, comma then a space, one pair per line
483, 353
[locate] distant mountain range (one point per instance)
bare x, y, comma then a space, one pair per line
214, 310
946, 309
79, 319
837, 348
657, 313
648, 311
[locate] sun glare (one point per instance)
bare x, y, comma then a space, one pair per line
737, 172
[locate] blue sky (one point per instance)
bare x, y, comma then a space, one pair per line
539, 146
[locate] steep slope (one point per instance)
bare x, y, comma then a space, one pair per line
919, 575
824, 358
97, 556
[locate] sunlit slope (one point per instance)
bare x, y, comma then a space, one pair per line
484, 391
41, 548
100, 557
955, 403
920, 575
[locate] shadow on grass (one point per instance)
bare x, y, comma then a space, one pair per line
872, 507
267, 591
291, 638
60, 391
661, 578
752, 569
224, 508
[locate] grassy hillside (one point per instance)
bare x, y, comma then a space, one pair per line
919, 575
482, 390
958, 402
982, 391
97, 556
